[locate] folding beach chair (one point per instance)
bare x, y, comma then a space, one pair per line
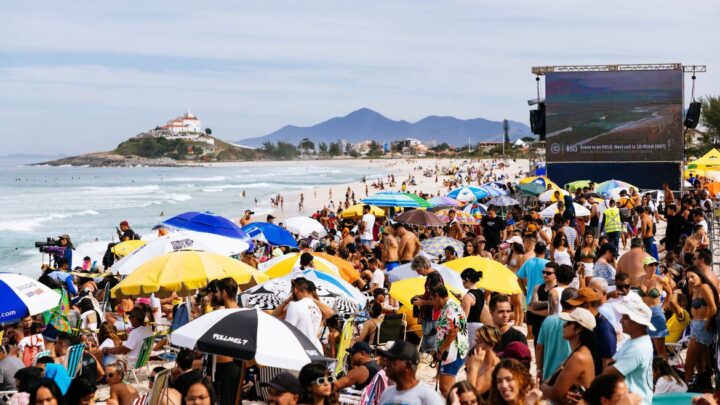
44, 353
74, 358
160, 387
142, 399
143, 356
345, 338
393, 327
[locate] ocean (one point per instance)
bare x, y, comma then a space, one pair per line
88, 203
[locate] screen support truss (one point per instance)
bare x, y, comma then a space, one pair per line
541, 70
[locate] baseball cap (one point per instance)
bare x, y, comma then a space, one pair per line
269, 217
580, 315
284, 382
638, 313
649, 260
400, 350
516, 350
124, 223
585, 294
360, 347
450, 249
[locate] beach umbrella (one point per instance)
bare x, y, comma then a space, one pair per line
495, 276
450, 277
419, 217
209, 223
540, 180
395, 199
435, 246
461, 216
496, 184
574, 185
177, 241
127, 247
468, 194
423, 203
552, 209
405, 290
709, 162
606, 187
356, 211
287, 263
305, 226
503, 202
443, 201
268, 340
549, 195
493, 191
23, 296
475, 210
331, 289
270, 234
533, 189
184, 272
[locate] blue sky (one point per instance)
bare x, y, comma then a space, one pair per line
83, 76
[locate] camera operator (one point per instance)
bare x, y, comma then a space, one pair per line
62, 248
126, 233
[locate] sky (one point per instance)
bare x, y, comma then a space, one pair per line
82, 76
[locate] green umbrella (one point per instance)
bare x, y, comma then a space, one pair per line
574, 185
533, 189
423, 202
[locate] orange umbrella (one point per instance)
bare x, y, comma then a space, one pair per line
713, 187
347, 270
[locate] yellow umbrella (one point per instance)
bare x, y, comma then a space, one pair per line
283, 265
127, 247
356, 211
183, 272
404, 290
541, 180
495, 276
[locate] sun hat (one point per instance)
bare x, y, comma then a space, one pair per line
649, 260
585, 294
581, 316
638, 312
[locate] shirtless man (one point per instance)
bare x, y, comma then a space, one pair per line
390, 250
120, 393
646, 229
247, 218
409, 246
632, 262
455, 230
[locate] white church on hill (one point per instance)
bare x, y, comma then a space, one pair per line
186, 123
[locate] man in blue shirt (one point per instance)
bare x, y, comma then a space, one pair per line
634, 359
530, 273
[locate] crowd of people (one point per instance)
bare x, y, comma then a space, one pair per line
612, 309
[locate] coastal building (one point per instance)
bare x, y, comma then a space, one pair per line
184, 124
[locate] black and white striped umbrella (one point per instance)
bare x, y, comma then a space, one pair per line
246, 334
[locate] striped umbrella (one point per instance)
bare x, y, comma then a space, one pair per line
435, 246
443, 201
332, 290
23, 296
287, 263
394, 199
270, 341
475, 210
468, 194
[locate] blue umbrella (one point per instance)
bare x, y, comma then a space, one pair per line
478, 192
392, 199
22, 296
492, 191
270, 233
209, 223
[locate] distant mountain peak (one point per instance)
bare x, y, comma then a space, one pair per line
367, 124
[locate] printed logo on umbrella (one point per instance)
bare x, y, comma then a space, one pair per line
33, 287
223, 338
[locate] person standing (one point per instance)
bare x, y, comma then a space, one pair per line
605, 338
9, 365
425, 302
551, 350
400, 362
611, 223
703, 303
390, 250
409, 245
650, 290
634, 358
632, 262
530, 273
493, 227
673, 230
452, 338
368, 222
501, 309
300, 310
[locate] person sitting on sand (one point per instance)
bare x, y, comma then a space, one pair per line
120, 392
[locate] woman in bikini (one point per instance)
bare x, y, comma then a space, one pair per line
650, 290
586, 253
703, 300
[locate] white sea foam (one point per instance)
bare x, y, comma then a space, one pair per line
28, 224
204, 179
124, 189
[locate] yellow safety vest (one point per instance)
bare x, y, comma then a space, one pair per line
612, 220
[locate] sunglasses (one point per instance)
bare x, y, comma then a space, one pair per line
622, 286
110, 375
548, 273
327, 379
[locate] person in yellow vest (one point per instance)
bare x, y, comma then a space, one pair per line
611, 223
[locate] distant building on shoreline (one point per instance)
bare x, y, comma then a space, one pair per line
184, 124
187, 127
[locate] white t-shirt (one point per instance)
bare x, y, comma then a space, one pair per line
134, 342
108, 358
421, 394
305, 316
369, 222
668, 384
378, 278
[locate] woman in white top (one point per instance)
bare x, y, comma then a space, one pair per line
560, 251
665, 378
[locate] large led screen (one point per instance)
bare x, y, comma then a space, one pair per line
614, 116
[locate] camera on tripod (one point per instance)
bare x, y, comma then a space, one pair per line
50, 245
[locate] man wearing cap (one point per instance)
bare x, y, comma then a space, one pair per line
450, 254
246, 219
363, 370
634, 358
632, 262
269, 219
400, 362
126, 233
283, 389
493, 227
605, 337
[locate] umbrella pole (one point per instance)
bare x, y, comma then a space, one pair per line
238, 395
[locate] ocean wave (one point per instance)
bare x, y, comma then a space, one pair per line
211, 189
205, 179
28, 224
179, 197
124, 189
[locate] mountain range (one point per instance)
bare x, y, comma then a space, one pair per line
366, 124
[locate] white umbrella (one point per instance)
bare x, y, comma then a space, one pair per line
22, 296
304, 226
450, 276
181, 240
551, 210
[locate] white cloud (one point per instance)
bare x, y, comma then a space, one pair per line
248, 68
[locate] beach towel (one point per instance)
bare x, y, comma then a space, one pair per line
372, 393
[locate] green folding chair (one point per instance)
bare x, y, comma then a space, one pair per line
143, 356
